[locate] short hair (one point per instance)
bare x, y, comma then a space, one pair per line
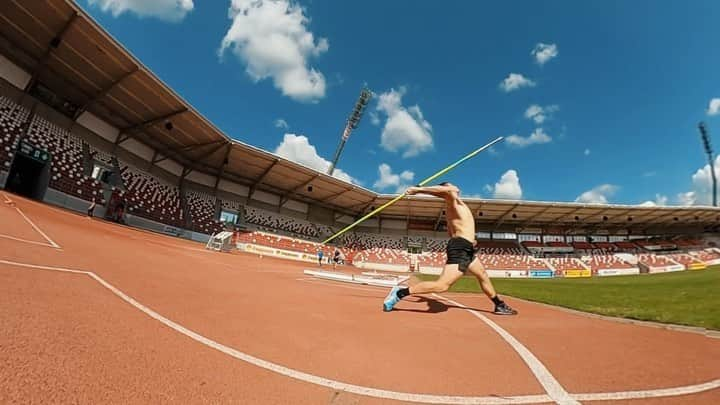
445, 183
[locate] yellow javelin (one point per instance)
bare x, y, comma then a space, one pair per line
422, 183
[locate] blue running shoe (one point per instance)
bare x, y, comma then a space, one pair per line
391, 299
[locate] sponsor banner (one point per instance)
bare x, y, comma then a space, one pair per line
286, 254
666, 269
618, 272
697, 266
578, 273
171, 230
507, 273
540, 273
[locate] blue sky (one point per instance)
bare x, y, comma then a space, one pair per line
606, 110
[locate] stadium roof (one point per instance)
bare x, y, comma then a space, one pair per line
68, 52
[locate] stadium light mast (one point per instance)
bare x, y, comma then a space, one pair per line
708, 150
352, 123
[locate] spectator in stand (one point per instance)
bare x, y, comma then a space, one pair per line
91, 208
336, 258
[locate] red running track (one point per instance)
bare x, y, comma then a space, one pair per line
94, 312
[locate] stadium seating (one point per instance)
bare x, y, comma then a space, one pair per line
150, 197
435, 245
383, 255
201, 212
278, 222
582, 246
506, 255
685, 259
68, 172
605, 261
705, 255
655, 260
12, 117
562, 264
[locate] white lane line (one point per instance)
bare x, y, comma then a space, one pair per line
368, 391
35, 227
38, 230
299, 375
27, 241
547, 380
662, 392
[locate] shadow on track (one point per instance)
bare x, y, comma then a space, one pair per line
435, 306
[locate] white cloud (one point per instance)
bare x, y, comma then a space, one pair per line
539, 114
281, 123
598, 195
169, 10
389, 179
406, 129
686, 199
701, 188
544, 53
298, 149
508, 187
649, 174
537, 137
586, 152
374, 118
515, 81
272, 39
714, 107
660, 200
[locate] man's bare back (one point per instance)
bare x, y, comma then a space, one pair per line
460, 221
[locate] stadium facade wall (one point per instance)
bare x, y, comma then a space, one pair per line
72, 203
98, 126
233, 188
172, 167
13, 73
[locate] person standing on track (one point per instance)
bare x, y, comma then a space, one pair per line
460, 252
320, 254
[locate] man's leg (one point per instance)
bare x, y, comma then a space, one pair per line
478, 270
449, 276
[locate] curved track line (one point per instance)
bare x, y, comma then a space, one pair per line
368, 391
662, 392
551, 385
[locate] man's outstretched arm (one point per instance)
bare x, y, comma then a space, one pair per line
437, 191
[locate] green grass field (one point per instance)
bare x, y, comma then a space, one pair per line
686, 298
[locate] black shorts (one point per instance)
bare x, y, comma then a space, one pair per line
460, 251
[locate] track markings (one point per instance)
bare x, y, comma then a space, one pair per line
37, 229
545, 378
555, 392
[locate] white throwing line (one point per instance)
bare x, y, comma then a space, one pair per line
368, 391
551, 385
35, 227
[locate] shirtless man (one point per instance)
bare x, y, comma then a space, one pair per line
460, 252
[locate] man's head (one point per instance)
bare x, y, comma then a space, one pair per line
448, 184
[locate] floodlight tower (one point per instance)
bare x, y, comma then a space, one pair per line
352, 123
708, 150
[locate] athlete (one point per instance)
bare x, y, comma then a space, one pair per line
460, 252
